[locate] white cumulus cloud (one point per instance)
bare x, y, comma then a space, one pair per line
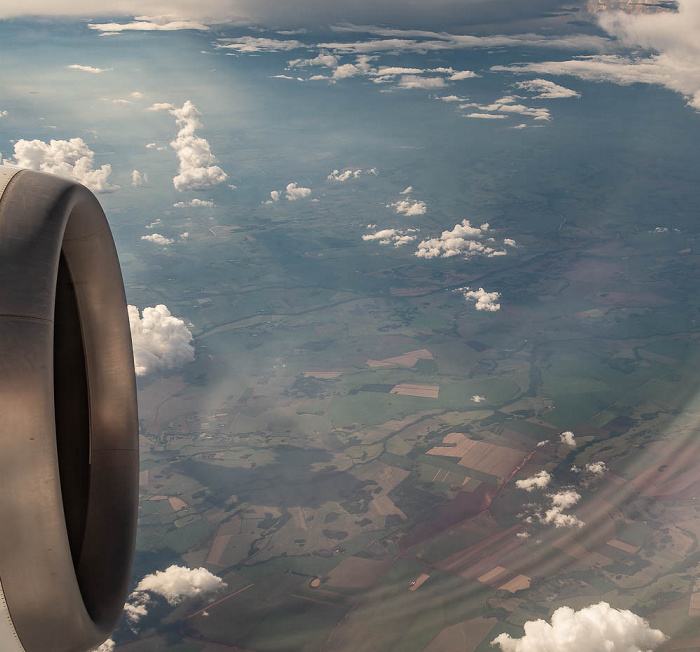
177, 583
397, 237
538, 481
197, 170
561, 501
462, 74
160, 340
409, 207
337, 175
598, 628
597, 468
294, 192
157, 238
460, 241
568, 438
138, 178
72, 159
484, 300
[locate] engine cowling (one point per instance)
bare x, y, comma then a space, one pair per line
68, 419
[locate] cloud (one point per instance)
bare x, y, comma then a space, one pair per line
107, 646
544, 442
193, 202
510, 242
597, 468
407, 191
538, 481
137, 95
568, 439
294, 192
397, 237
463, 74
72, 159
3, 113
360, 67
663, 49
451, 98
487, 116
275, 195
414, 81
336, 175
138, 178
507, 105
409, 207
147, 24
546, 89
322, 59
197, 170
460, 241
157, 238
254, 45
77, 66
484, 300
177, 583
422, 42
478, 399
561, 501
160, 340
591, 629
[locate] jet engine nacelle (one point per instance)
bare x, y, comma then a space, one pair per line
68, 419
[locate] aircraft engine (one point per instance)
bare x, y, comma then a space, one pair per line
68, 419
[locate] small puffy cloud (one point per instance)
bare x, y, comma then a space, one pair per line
154, 224
185, 235
157, 238
193, 202
160, 340
561, 501
137, 95
360, 67
294, 192
197, 170
397, 237
544, 442
522, 535
547, 90
138, 178
484, 300
460, 241
253, 45
177, 583
591, 629
538, 481
147, 24
91, 69
597, 468
275, 195
463, 74
568, 439
337, 175
478, 399
2, 113
72, 159
409, 207
407, 190
510, 242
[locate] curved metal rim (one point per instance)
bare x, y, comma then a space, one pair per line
56, 605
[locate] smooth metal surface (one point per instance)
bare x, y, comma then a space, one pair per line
69, 426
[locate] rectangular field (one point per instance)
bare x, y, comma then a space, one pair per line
425, 391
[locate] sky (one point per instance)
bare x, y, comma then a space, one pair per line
178, 112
